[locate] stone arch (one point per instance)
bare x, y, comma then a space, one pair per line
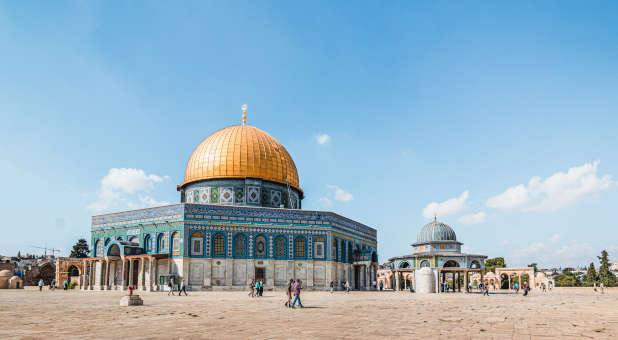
175, 243
404, 264
451, 264
425, 263
475, 264
114, 250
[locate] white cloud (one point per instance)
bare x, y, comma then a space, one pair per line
446, 208
125, 188
322, 138
339, 194
554, 238
477, 218
512, 198
555, 192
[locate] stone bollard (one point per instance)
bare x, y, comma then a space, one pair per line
131, 300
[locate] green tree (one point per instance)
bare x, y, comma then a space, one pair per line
566, 280
605, 275
492, 264
533, 265
80, 249
591, 275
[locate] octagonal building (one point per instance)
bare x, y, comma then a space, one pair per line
239, 219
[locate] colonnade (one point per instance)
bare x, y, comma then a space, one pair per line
103, 273
367, 277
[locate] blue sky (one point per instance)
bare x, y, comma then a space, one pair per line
502, 115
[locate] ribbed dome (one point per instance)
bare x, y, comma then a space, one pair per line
436, 231
241, 151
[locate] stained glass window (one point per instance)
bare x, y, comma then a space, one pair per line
299, 247
219, 245
239, 245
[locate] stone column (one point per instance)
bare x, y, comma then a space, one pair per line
155, 278
91, 278
142, 272
130, 281
466, 279
123, 276
107, 275
519, 285
397, 281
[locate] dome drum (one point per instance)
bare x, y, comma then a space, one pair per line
242, 192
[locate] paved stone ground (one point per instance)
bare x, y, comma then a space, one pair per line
561, 314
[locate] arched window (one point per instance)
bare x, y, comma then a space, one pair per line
107, 240
424, 264
119, 238
240, 242
260, 246
404, 264
299, 247
318, 248
133, 239
218, 245
197, 240
100, 248
148, 244
475, 264
175, 243
161, 243
280, 245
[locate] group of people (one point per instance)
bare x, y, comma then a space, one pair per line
182, 288
52, 285
256, 288
293, 288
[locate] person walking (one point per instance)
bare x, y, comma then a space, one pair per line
332, 287
182, 288
288, 292
252, 288
347, 287
257, 288
52, 286
297, 288
170, 285
261, 287
551, 285
602, 286
381, 285
40, 285
65, 285
486, 290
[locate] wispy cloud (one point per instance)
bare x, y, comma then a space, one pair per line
124, 188
477, 218
340, 194
449, 207
553, 193
322, 138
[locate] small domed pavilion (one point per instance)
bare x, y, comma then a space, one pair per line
437, 248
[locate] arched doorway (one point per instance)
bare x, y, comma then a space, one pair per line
504, 281
73, 275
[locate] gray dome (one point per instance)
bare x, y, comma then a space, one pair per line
436, 231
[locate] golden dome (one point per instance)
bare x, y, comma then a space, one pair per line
241, 151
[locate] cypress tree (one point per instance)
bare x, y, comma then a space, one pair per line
605, 275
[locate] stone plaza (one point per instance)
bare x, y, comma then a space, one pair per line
562, 313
